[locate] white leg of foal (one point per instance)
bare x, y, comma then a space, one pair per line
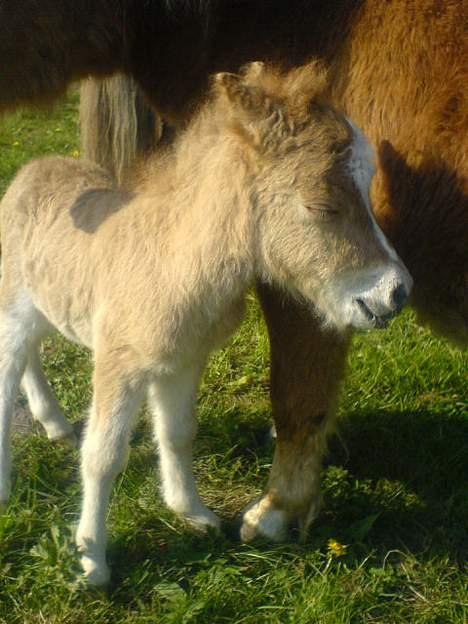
13, 353
42, 402
11, 368
172, 401
104, 455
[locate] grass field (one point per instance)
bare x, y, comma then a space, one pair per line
389, 546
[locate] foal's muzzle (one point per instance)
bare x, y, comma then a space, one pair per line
376, 306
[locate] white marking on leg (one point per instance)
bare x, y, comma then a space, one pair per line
172, 400
293, 489
262, 518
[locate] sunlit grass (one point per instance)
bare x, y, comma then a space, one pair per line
388, 547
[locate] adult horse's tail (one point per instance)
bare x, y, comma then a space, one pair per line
117, 125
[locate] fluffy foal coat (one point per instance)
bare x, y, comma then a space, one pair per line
266, 184
398, 69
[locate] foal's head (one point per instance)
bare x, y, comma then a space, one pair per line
312, 170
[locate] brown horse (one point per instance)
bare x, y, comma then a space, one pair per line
398, 69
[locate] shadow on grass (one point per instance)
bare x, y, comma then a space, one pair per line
425, 449
406, 474
393, 481
398, 481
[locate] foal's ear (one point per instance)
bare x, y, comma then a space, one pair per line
253, 115
246, 100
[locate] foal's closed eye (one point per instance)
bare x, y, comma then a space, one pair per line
322, 212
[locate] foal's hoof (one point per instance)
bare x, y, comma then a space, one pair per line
203, 522
69, 440
96, 573
262, 519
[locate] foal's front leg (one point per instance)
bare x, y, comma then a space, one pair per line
104, 454
172, 401
307, 365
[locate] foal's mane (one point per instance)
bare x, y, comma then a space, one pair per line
251, 96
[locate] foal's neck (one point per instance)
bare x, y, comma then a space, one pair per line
207, 207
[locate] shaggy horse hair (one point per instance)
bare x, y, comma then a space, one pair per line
397, 68
263, 185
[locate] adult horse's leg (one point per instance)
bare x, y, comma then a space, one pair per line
307, 365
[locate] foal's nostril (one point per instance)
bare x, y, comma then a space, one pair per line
398, 297
379, 321
365, 309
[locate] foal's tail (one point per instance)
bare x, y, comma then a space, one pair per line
116, 123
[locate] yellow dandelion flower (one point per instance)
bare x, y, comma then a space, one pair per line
335, 549
75, 153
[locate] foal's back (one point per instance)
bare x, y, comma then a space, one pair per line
101, 264
53, 224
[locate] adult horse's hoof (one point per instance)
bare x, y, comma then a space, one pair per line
263, 519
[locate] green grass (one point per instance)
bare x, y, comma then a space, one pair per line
395, 486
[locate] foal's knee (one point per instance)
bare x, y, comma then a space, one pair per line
177, 435
103, 455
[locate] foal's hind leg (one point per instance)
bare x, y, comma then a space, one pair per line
172, 401
42, 402
18, 318
104, 453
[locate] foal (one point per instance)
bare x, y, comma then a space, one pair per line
267, 183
